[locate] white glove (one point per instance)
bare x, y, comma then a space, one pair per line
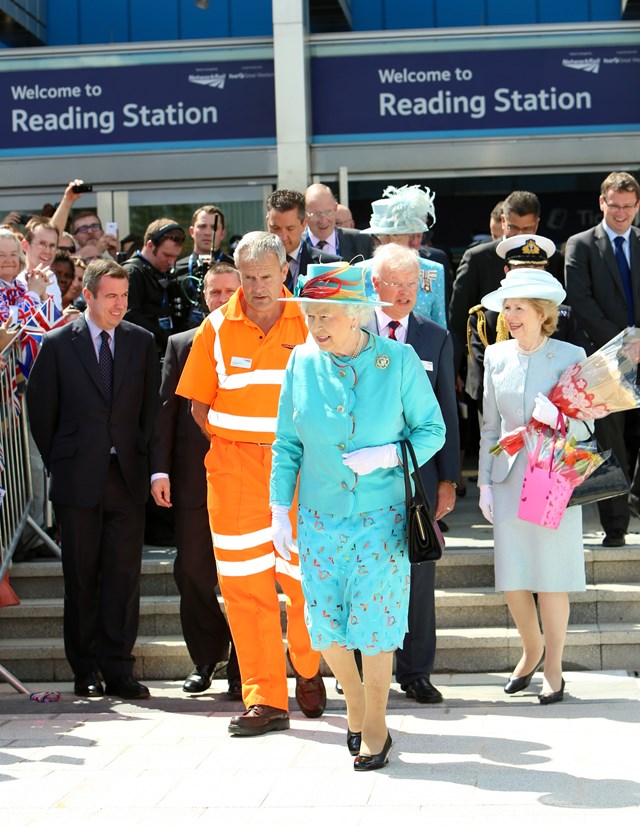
545, 411
366, 459
486, 502
281, 533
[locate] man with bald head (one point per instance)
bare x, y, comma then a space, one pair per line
322, 232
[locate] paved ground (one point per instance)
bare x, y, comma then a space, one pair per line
480, 757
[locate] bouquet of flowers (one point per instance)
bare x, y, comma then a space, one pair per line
603, 383
556, 466
574, 461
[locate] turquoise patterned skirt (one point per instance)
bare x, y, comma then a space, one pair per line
355, 578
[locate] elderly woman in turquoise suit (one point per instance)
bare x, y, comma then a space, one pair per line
528, 558
348, 399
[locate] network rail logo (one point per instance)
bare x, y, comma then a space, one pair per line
587, 64
215, 81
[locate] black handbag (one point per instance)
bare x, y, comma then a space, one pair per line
605, 482
424, 538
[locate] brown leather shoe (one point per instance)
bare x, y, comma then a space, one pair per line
311, 695
259, 720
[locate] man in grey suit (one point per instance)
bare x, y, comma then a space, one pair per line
322, 232
179, 481
602, 277
395, 274
92, 399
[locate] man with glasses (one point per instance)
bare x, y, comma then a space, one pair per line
154, 302
323, 232
286, 218
603, 287
85, 226
395, 276
40, 245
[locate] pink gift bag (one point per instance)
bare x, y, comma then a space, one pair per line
545, 493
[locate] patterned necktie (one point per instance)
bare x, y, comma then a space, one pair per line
321, 245
106, 365
625, 275
393, 326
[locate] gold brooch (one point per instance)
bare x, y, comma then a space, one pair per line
382, 362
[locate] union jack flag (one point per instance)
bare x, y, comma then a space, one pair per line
46, 318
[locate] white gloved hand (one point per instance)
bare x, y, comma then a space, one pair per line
545, 411
486, 502
281, 533
366, 459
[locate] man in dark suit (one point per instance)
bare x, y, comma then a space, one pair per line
179, 481
286, 218
92, 399
603, 288
395, 274
322, 232
481, 271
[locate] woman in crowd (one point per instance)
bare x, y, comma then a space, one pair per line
529, 559
18, 301
63, 267
348, 399
73, 296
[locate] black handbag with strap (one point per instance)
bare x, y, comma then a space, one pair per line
606, 481
424, 537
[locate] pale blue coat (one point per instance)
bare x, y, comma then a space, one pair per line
321, 416
527, 556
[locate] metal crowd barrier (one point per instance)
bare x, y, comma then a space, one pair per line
15, 474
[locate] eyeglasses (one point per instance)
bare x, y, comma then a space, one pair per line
628, 208
88, 228
321, 213
42, 245
400, 285
70, 250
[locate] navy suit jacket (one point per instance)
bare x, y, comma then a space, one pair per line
72, 422
594, 284
178, 446
434, 346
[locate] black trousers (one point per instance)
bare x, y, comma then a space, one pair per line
416, 657
101, 559
204, 625
620, 432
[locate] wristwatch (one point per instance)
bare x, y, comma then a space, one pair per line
450, 482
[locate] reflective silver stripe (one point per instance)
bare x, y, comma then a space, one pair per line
251, 424
243, 541
239, 380
246, 568
215, 319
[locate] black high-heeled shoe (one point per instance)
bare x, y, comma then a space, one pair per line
370, 762
519, 683
553, 697
354, 738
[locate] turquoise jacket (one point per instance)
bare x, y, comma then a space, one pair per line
330, 407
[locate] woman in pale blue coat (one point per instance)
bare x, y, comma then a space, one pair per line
529, 559
348, 399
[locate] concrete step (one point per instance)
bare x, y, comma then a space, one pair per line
462, 566
455, 608
589, 647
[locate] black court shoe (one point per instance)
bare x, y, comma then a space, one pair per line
371, 762
520, 683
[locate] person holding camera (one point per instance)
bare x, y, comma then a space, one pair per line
155, 302
85, 226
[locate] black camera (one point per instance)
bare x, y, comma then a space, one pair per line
24, 218
82, 188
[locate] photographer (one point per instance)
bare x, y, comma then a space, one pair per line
155, 302
207, 231
85, 226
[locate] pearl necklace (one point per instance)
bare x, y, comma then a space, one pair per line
533, 350
359, 345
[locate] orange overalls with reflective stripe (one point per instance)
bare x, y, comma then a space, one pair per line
237, 370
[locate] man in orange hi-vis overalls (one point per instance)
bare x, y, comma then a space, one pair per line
233, 377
